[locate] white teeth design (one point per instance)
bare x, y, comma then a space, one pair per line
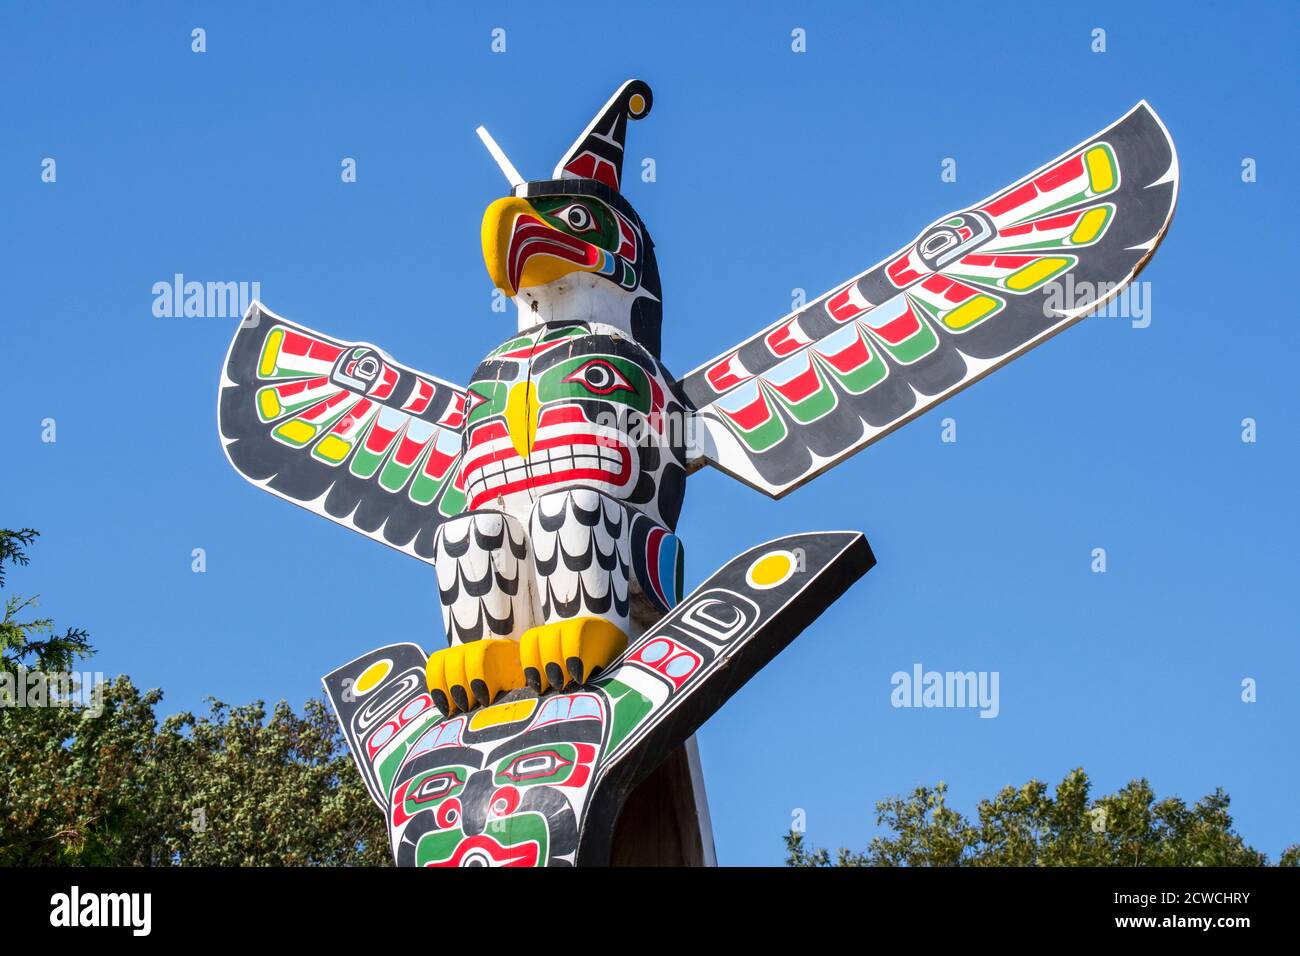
546, 462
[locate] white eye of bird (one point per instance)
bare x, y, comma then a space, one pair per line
577, 217
599, 377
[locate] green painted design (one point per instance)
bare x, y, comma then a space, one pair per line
286, 408
819, 403
565, 332
441, 783
916, 346
286, 431
630, 708
1086, 193
771, 432
387, 769
607, 378
865, 376
365, 462
395, 475
584, 217
520, 342
453, 501
425, 489
549, 763
1042, 245
494, 394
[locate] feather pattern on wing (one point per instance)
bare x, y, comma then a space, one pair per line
342, 430
975, 290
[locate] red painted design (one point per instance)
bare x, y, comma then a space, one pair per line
786, 338
588, 165
419, 398
532, 237
727, 374
1061, 175
748, 417
903, 271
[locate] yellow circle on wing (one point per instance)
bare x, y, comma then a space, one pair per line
371, 676
636, 104
771, 569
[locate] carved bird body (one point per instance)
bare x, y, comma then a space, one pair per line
547, 490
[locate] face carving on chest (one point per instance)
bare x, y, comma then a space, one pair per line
573, 405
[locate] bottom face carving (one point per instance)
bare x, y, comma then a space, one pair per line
538, 779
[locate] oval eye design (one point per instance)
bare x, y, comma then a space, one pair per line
532, 766
434, 787
368, 367
538, 765
600, 378
577, 217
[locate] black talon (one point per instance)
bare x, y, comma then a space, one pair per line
460, 697
440, 701
480, 690
533, 679
555, 675
575, 669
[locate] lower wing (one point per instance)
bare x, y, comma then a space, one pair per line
382, 706
975, 290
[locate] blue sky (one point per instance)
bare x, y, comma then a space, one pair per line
775, 170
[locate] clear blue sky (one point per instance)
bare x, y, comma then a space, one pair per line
775, 171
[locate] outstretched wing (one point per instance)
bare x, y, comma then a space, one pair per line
342, 430
975, 290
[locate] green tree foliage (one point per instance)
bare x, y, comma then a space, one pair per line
1030, 826
230, 788
22, 642
103, 781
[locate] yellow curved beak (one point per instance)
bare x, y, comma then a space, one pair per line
501, 221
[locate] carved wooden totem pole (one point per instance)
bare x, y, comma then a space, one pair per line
555, 728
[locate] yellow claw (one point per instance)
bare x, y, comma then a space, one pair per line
568, 652
471, 675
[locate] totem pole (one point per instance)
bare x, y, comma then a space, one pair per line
546, 492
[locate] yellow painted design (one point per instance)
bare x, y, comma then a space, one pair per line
499, 221
270, 353
297, 432
521, 416
454, 669
503, 714
333, 448
636, 105
771, 569
491, 663
1035, 273
970, 311
371, 676
1090, 225
269, 403
591, 641
435, 676
1101, 171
